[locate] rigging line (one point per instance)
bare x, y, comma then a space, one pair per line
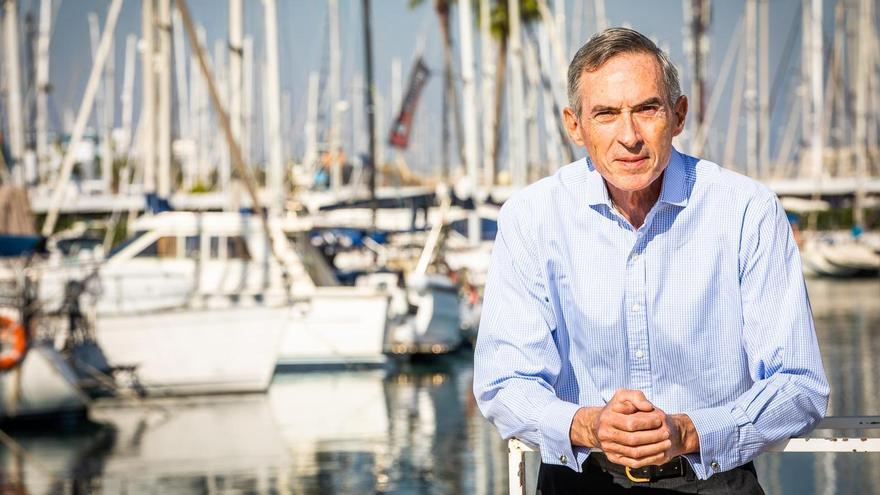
734, 47
423, 34
323, 96
786, 55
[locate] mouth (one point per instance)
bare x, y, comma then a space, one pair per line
632, 162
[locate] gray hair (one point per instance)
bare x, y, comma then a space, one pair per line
612, 42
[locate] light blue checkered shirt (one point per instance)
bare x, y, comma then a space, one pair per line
703, 308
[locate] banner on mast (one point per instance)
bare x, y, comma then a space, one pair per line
402, 127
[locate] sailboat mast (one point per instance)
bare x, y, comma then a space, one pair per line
468, 75
816, 144
147, 144
487, 81
13, 76
275, 174
865, 34
764, 84
334, 147
516, 125
236, 78
127, 90
368, 93
751, 93
180, 75
163, 75
698, 48
42, 117
310, 130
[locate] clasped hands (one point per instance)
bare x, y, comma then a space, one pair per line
632, 432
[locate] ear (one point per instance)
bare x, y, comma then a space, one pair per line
680, 111
572, 126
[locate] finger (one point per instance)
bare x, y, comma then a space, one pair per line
640, 452
633, 439
654, 460
638, 421
635, 397
623, 407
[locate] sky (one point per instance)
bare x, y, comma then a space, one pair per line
398, 32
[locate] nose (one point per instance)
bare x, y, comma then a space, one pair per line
629, 135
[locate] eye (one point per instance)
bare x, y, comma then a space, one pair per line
649, 110
604, 116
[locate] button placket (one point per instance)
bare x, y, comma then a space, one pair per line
636, 319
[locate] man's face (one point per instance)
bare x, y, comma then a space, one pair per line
626, 122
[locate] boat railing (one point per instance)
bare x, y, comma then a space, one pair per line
524, 459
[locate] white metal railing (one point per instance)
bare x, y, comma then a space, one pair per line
523, 460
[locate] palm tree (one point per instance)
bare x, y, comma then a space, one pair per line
450, 93
500, 28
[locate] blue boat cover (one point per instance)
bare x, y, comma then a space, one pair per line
19, 245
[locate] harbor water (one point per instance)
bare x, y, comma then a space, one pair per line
414, 430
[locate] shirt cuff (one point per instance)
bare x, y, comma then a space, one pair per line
718, 430
555, 430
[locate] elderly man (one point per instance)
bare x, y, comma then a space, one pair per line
645, 322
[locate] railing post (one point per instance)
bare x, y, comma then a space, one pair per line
516, 467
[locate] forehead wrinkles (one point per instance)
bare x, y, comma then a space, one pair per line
625, 79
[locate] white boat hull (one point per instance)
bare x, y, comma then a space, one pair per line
42, 384
342, 326
197, 351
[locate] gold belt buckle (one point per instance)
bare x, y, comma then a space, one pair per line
635, 479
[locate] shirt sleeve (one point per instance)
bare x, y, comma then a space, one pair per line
790, 390
516, 361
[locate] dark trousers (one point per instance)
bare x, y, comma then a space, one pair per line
596, 478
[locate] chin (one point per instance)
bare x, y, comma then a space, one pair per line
633, 184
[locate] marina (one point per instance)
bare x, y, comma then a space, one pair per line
407, 431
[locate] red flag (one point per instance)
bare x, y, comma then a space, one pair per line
399, 136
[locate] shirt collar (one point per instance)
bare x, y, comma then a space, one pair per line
675, 190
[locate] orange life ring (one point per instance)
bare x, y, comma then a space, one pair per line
12, 342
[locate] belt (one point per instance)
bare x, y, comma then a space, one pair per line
675, 468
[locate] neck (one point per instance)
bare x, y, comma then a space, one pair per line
635, 205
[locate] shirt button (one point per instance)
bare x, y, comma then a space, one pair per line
640, 354
563, 459
715, 466
635, 308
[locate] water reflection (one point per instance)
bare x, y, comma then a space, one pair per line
847, 316
202, 445
410, 431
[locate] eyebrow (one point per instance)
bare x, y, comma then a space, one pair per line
650, 101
